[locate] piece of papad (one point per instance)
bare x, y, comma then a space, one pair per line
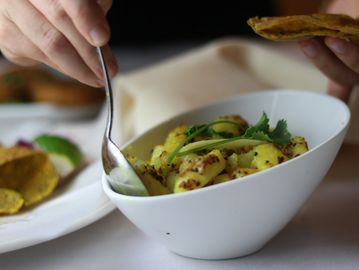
11, 201
27, 172
299, 27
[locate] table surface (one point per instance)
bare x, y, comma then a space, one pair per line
324, 234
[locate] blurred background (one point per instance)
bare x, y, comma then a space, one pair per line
144, 33
146, 23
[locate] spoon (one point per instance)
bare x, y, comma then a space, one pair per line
119, 172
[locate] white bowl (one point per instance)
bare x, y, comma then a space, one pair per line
239, 217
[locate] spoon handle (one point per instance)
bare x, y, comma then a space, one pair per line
109, 93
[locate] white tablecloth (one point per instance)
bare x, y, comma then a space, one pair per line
323, 236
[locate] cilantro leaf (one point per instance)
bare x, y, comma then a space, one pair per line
197, 130
262, 125
253, 134
260, 131
223, 134
194, 129
280, 134
261, 136
207, 130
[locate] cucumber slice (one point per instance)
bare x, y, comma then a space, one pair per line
217, 144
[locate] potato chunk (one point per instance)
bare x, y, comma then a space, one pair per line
153, 185
221, 178
240, 172
175, 138
159, 159
231, 128
297, 146
202, 171
266, 156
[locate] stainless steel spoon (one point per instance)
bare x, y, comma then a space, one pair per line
119, 172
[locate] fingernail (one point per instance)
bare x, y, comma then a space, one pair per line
337, 45
309, 49
99, 35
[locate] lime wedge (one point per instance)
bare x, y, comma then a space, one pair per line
62, 163
64, 154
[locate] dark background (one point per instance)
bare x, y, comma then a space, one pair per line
148, 22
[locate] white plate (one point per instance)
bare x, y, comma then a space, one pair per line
74, 205
22, 111
26, 121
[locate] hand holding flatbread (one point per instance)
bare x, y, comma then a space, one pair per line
337, 56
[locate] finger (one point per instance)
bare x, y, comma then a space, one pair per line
58, 17
89, 19
340, 91
105, 5
346, 51
18, 60
51, 42
56, 14
110, 61
18, 49
328, 62
348, 7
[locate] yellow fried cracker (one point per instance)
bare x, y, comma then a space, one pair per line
13, 163
41, 183
29, 172
10, 201
12, 153
300, 27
